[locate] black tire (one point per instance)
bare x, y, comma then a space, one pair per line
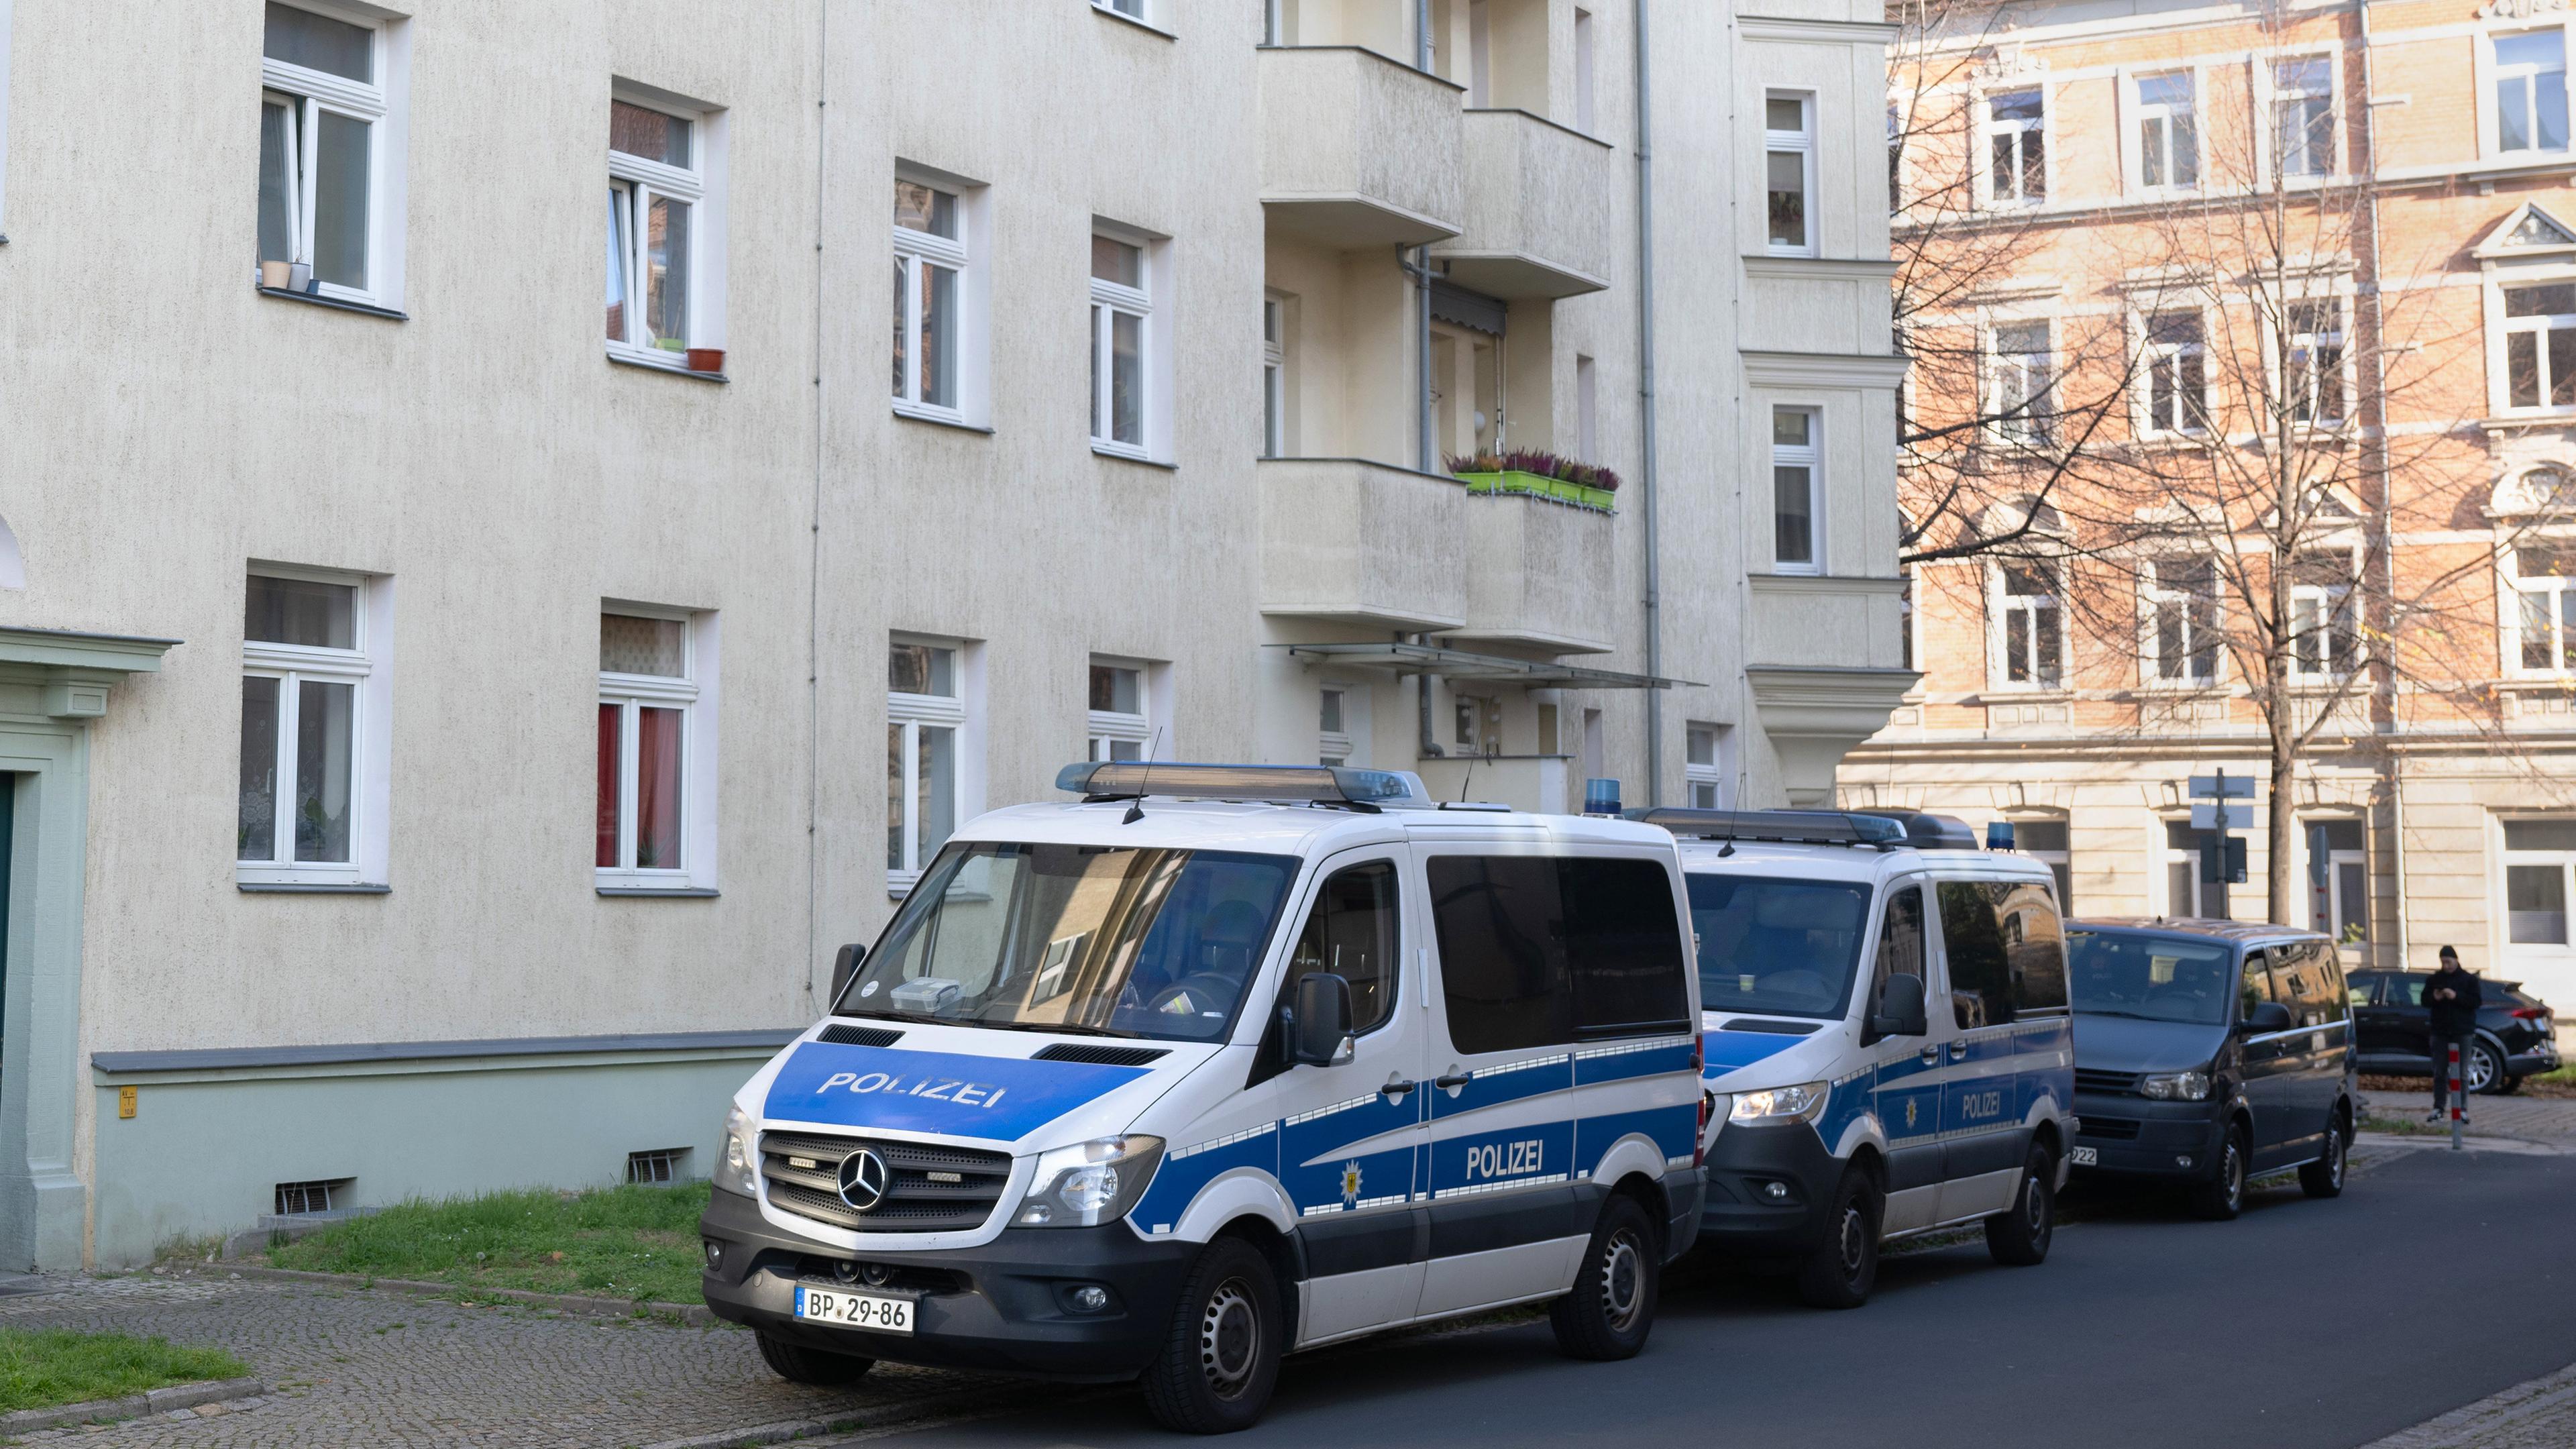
2511, 1085
798, 1364
1221, 1359
2482, 1071
1612, 1307
2324, 1177
2220, 1197
1844, 1266
2018, 1237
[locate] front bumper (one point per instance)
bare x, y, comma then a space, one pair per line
2134, 1137
1001, 1308
1744, 1214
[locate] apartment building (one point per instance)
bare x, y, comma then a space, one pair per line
2405, 339
588, 617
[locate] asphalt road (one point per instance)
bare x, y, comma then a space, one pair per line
2436, 1279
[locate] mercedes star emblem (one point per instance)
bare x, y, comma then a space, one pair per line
865, 1178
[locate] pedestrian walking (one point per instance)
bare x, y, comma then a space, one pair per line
2452, 999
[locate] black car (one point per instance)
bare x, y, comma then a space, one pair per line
2517, 1035
2207, 1052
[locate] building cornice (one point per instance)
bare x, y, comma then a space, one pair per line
1802, 30
1819, 269
1825, 369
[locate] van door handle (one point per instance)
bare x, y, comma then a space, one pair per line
1932, 1055
1399, 1089
1451, 1084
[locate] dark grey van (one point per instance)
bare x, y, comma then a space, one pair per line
2207, 1052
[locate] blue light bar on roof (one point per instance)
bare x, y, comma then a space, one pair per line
1795, 827
1274, 784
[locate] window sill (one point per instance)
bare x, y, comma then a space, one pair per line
2025, 694
1098, 451
642, 362
673, 893
309, 888
936, 420
2174, 442
335, 303
2512, 422
1144, 25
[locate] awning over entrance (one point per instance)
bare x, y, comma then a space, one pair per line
1410, 659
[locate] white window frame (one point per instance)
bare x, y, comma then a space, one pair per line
1274, 375
367, 664
2002, 368
1909, 624
1993, 130
1800, 143
2060, 863
693, 694
1709, 784
1153, 344
2336, 859
2161, 592
2505, 328
1136, 12
2269, 99
966, 255
2133, 124
2167, 857
2518, 954
2326, 602
1811, 458
2156, 355
382, 105
1110, 728
700, 186
1999, 629
2492, 74
960, 712
2289, 389
2561, 595
1341, 717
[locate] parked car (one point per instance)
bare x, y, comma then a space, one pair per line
2517, 1032
2207, 1052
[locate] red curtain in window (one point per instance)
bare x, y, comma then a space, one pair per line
609, 720
657, 789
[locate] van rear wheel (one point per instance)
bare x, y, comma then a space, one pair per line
1221, 1359
1612, 1307
798, 1364
1844, 1266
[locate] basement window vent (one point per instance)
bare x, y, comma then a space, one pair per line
313, 1199
662, 1164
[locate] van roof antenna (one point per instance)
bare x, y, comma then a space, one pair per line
1145, 782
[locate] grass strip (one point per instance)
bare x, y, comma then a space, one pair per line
40, 1368
630, 1242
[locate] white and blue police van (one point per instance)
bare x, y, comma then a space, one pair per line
1220, 1063
1888, 1051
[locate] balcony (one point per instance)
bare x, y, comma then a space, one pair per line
1356, 542
1539, 198
1541, 575
1357, 150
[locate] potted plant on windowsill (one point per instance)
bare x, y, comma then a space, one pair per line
1537, 474
706, 359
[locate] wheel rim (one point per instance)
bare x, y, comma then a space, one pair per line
2235, 1170
1229, 1338
1855, 1241
2335, 1149
1623, 1280
2034, 1207
2481, 1070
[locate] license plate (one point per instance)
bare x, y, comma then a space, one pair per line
2086, 1157
877, 1312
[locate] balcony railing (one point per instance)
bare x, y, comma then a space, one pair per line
1357, 150
1538, 209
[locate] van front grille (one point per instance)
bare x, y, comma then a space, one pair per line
934, 1189
2114, 1083
2109, 1129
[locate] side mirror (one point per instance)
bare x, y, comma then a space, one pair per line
1900, 1010
2264, 1018
845, 964
1319, 1026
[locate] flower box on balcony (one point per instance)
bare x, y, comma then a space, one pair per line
1537, 485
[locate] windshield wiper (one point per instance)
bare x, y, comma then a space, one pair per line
1068, 1028
2132, 1015
922, 1016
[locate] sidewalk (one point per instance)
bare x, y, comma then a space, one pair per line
2533, 1119
2540, 1414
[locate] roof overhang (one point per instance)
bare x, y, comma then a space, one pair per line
1411, 659
71, 671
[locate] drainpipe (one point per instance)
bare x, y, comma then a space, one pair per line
1646, 405
2387, 550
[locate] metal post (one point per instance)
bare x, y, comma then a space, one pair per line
2458, 1088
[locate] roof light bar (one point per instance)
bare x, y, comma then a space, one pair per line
1794, 827
1275, 784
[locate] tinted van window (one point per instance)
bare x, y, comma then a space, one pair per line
1623, 947
1351, 933
2306, 979
1777, 946
1900, 941
1980, 965
2034, 947
1538, 951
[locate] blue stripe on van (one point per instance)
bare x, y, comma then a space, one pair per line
1728, 1050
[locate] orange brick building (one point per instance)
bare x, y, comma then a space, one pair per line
2160, 257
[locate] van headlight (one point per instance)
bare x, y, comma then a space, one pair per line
738, 1156
1089, 1183
2175, 1086
1778, 1106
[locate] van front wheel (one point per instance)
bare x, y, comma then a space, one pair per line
1221, 1359
798, 1364
1612, 1307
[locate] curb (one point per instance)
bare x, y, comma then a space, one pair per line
694, 1314
859, 1421
177, 1397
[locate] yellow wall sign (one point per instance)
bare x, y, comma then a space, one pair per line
125, 1101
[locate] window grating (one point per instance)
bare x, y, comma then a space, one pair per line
313, 1199
658, 1165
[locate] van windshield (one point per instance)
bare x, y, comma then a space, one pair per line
1094, 939
1786, 947
2154, 978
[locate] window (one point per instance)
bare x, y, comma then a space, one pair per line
1274, 378
329, 154
2531, 91
1708, 766
2538, 854
2177, 374
1351, 932
325, 1197
313, 731
1539, 951
2006, 950
1120, 728
2308, 981
1120, 304
2544, 608
2017, 147
2303, 115
658, 1166
2341, 907
1900, 942
933, 277
1776, 945
1905, 621
2168, 140
2182, 610
1587, 411
2323, 644
2312, 361
925, 718
2045, 840
1789, 141
1895, 159
1341, 724
2254, 984
2030, 637
2018, 381
1132, 9
1793, 490
654, 763
1583, 101
4, 115
665, 232
2183, 885
2540, 345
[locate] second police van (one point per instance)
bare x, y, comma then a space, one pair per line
1164, 1088
1889, 1050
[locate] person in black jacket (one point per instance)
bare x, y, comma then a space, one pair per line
2452, 998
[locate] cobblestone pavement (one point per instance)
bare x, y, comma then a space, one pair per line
2540, 1414
2537, 1119
352, 1367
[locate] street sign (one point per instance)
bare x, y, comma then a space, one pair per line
2222, 785
2241, 814
2222, 859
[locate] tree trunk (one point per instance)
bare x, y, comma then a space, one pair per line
2284, 828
